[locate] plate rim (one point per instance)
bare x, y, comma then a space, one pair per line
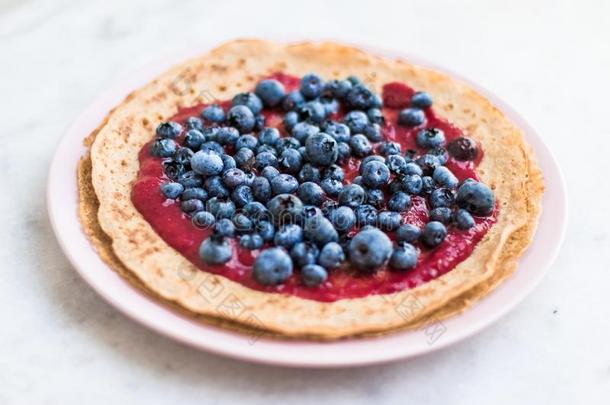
343, 353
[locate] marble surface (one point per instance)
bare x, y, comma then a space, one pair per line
60, 343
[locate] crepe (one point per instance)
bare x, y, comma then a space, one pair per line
129, 244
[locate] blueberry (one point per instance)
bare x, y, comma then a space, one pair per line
313, 275
304, 130
428, 185
256, 211
285, 208
331, 256
269, 136
242, 223
408, 233
215, 250
328, 207
404, 257
310, 211
194, 123
250, 100
252, 241
266, 148
360, 145
309, 173
421, 99
375, 174
190, 179
193, 139
321, 149
261, 189
356, 121
225, 136
269, 172
428, 163
293, 101
429, 138
224, 227
441, 214
273, 266
463, 148
211, 147
442, 197
311, 193
331, 187
434, 234
192, 205
343, 219
287, 143
413, 168
246, 141
266, 230
375, 197
412, 184
264, 160
195, 193
233, 178
304, 253
463, 219
173, 169
207, 163
213, 113
444, 177
338, 88
369, 250
352, 195
242, 195
312, 111
373, 132
370, 158
171, 189
477, 198
284, 184
440, 153
389, 220
215, 187
411, 117
211, 133
169, 130
375, 116
396, 164
290, 120
390, 148
259, 122
399, 202
244, 159
361, 98
163, 148
311, 86
203, 219
354, 80
242, 118
320, 230
366, 215
270, 91
291, 161
340, 132
344, 152
220, 207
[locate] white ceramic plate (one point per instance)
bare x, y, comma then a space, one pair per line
62, 200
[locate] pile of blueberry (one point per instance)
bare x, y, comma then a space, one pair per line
288, 193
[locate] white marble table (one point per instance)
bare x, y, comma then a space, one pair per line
60, 343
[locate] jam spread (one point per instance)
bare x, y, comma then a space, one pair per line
176, 229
